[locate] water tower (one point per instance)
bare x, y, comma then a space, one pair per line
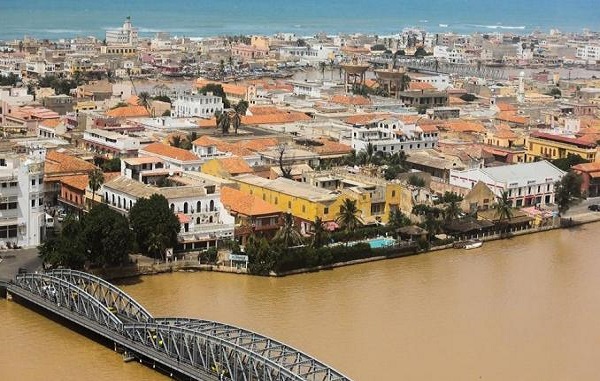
354, 74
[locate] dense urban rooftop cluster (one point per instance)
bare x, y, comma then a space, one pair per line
245, 134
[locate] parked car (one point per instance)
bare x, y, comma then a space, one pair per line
594, 207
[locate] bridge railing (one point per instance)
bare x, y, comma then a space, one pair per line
66, 295
107, 293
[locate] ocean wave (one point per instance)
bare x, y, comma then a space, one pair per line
497, 26
61, 31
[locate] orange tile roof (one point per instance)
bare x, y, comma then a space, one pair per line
511, 117
207, 123
587, 167
263, 110
456, 101
171, 152
108, 176
428, 127
50, 123
355, 100
361, 119
506, 107
331, 147
133, 100
205, 141
420, 86
235, 165
459, 125
279, 118
505, 134
246, 204
227, 87
128, 112
79, 182
257, 145
57, 163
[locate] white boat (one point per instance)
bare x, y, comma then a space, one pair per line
473, 244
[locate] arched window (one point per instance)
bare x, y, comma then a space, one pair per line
212, 205
185, 207
210, 219
197, 220
198, 206
173, 208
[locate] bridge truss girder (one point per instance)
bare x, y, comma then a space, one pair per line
106, 293
67, 295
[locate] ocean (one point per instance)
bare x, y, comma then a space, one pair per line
55, 19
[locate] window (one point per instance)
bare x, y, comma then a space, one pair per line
198, 206
326, 211
40, 201
289, 205
9, 231
197, 220
303, 209
32, 182
173, 208
32, 203
185, 207
393, 193
276, 201
4, 185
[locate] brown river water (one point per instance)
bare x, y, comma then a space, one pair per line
521, 309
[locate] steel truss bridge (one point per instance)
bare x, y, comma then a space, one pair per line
193, 348
430, 65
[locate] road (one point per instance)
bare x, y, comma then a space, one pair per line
12, 260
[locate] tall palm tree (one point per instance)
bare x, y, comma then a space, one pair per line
404, 82
287, 233
156, 244
319, 233
176, 141
369, 153
236, 121
144, 100
348, 215
503, 207
452, 211
322, 66
95, 181
224, 122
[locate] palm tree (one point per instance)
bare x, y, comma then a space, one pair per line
503, 208
287, 233
176, 141
319, 233
398, 219
452, 211
236, 121
348, 216
156, 244
144, 100
95, 181
224, 122
369, 153
404, 82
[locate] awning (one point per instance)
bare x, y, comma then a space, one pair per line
183, 219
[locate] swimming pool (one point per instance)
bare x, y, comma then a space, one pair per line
380, 242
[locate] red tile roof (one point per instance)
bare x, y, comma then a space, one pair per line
563, 139
246, 204
171, 152
60, 163
354, 100
234, 165
128, 112
79, 182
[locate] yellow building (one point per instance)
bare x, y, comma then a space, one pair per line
548, 146
307, 202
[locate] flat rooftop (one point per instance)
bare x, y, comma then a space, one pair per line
289, 187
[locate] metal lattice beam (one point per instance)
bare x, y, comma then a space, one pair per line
108, 294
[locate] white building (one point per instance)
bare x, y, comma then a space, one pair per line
393, 135
22, 215
203, 218
310, 89
110, 143
309, 55
196, 105
449, 54
526, 183
126, 35
173, 157
589, 52
441, 82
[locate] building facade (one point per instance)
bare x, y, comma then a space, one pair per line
196, 105
392, 136
22, 215
526, 184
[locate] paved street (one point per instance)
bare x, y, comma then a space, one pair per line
13, 259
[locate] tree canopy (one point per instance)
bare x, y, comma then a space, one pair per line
567, 162
106, 236
151, 218
567, 190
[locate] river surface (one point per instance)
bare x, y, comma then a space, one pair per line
520, 309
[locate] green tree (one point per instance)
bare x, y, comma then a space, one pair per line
567, 162
566, 191
319, 233
153, 216
416, 181
224, 122
504, 211
430, 215
241, 107
404, 82
144, 100
420, 52
106, 236
287, 233
176, 141
236, 121
452, 211
398, 219
261, 256
468, 97
217, 90
95, 181
111, 165
67, 249
392, 172
348, 216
